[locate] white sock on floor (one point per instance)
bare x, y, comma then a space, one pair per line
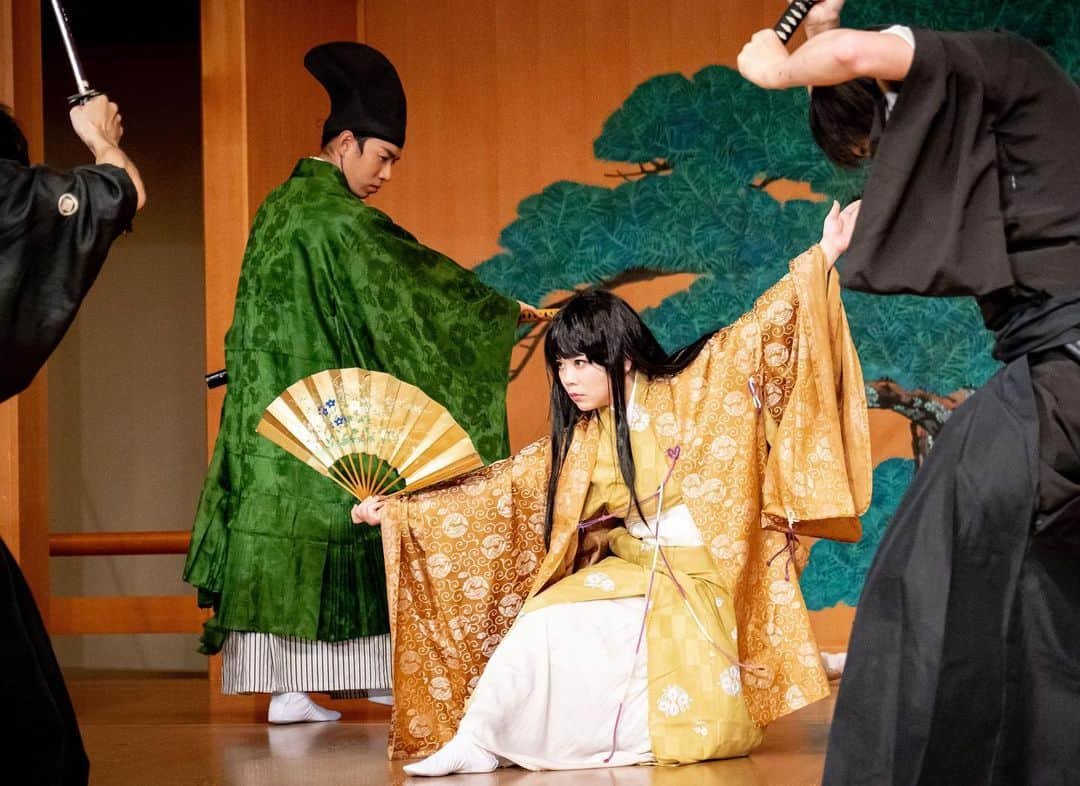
385, 698
833, 663
298, 708
458, 755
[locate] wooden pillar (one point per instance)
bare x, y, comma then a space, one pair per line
24, 488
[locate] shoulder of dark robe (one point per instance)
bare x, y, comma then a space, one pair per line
55, 232
932, 220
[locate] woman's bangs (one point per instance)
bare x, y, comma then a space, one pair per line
574, 334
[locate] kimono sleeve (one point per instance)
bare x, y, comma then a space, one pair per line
57, 228
434, 324
931, 221
460, 559
818, 470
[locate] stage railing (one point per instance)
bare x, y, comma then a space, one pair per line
73, 615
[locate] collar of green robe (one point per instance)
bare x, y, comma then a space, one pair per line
317, 167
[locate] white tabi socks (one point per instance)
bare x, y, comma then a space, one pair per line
458, 755
298, 708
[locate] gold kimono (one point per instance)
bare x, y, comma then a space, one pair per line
765, 430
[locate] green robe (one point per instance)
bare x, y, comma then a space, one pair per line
328, 282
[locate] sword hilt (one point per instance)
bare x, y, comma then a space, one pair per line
81, 98
792, 18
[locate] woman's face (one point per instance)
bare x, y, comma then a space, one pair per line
585, 382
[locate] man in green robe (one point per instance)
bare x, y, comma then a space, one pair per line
329, 282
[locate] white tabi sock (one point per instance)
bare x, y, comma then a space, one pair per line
834, 664
298, 708
458, 755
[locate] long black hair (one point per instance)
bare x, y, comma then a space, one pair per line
842, 119
602, 327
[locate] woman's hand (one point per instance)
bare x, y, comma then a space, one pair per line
837, 230
823, 16
369, 511
761, 59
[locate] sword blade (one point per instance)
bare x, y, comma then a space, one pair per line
82, 87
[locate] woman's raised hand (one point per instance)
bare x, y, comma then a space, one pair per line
837, 230
369, 511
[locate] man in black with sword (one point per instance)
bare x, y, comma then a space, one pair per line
55, 232
963, 665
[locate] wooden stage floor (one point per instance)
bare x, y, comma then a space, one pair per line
164, 730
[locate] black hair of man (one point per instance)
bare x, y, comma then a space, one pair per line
13, 146
842, 119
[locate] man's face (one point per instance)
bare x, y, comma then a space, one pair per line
366, 165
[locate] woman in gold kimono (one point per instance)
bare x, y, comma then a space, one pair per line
626, 592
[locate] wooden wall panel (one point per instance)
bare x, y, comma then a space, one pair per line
286, 107
225, 178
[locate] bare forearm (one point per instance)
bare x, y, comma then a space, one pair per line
111, 154
840, 55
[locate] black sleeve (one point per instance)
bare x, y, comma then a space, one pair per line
55, 232
931, 221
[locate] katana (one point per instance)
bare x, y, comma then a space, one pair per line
83, 91
792, 18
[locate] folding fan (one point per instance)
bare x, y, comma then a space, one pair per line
369, 432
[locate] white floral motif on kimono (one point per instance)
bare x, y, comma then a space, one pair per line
439, 565
455, 525
476, 588
735, 403
637, 419
723, 448
490, 643
673, 701
510, 605
410, 662
695, 487
701, 729
601, 581
725, 549
537, 522
526, 563
731, 681
457, 628
667, 425
439, 689
420, 726
808, 654
780, 312
776, 355
795, 697
493, 546
782, 592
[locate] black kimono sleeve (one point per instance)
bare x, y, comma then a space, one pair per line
931, 221
55, 232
